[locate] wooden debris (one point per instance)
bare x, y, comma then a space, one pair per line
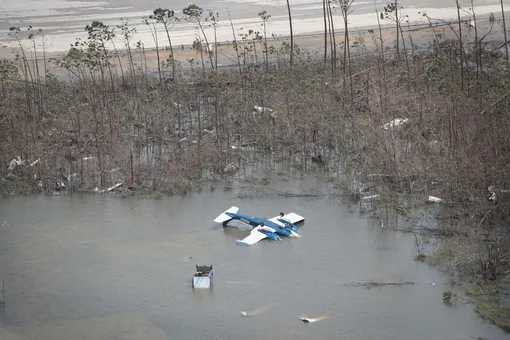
373, 284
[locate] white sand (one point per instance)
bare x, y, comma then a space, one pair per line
62, 23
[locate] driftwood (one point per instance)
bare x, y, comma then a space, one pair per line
373, 284
257, 192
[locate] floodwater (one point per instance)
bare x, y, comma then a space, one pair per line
102, 267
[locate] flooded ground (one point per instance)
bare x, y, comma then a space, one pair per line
98, 267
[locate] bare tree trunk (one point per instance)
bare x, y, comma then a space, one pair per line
325, 32
349, 57
383, 59
328, 8
236, 45
171, 51
291, 35
333, 51
461, 48
398, 27
504, 29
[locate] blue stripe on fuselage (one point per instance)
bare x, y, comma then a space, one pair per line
255, 221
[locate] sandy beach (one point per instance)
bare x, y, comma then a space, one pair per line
313, 44
63, 21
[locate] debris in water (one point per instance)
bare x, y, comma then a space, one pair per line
3, 225
312, 320
371, 284
257, 310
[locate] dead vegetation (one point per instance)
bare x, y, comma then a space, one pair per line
380, 124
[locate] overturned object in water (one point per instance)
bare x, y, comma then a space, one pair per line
312, 320
261, 228
202, 276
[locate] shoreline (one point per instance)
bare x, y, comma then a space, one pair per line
58, 40
9, 52
422, 35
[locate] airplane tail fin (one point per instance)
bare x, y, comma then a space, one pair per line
223, 217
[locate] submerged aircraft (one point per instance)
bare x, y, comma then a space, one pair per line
261, 228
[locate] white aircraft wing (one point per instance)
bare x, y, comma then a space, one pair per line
224, 217
251, 239
275, 220
291, 217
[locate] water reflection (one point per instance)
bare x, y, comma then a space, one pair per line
90, 267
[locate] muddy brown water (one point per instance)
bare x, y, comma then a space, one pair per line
101, 267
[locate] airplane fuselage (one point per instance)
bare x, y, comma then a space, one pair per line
256, 221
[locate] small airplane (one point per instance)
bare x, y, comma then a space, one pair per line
261, 228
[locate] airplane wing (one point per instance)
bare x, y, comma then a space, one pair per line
251, 239
224, 217
291, 217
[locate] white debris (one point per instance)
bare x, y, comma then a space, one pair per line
233, 147
96, 189
505, 194
244, 314
186, 139
87, 158
312, 320
260, 110
433, 199
35, 162
492, 196
371, 197
14, 163
60, 185
230, 168
395, 123
209, 132
114, 186
115, 169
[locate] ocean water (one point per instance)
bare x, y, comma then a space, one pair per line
63, 21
